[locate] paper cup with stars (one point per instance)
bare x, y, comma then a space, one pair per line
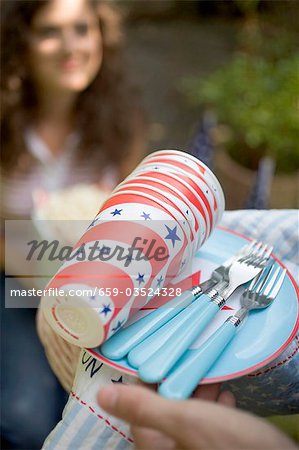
169, 165
142, 195
195, 200
177, 237
142, 198
174, 204
195, 184
179, 259
201, 203
164, 186
188, 162
100, 294
110, 275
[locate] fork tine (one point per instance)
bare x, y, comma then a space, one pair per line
246, 250
259, 281
249, 248
256, 248
271, 279
242, 253
262, 253
263, 258
268, 253
253, 242
265, 251
262, 249
254, 283
278, 284
251, 251
268, 279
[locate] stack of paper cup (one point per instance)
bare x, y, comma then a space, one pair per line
144, 234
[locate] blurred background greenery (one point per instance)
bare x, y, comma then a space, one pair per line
238, 59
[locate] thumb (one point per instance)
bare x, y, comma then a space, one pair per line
141, 407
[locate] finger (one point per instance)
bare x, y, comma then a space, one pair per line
208, 392
152, 387
227, 398
146, 438
141, 407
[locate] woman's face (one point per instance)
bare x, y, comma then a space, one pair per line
65, 47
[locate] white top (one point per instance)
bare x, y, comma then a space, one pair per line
49, 173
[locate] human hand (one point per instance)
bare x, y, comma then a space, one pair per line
161, 424
146, 438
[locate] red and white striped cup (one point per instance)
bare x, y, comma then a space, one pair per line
170, 203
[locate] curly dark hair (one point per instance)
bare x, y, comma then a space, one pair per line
108, 127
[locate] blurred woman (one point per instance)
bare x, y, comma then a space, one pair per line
69, 115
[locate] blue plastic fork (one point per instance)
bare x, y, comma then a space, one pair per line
192, 321
188, 372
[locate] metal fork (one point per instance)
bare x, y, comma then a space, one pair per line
196, 363
220, 274
186, 326
121, 343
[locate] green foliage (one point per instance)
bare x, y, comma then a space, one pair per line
247, 6
259, 100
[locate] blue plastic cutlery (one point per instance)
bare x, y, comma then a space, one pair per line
128, 338
176, 337
193, 366
191, 322
122, 342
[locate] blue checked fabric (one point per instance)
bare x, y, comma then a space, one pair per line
84, 424
274, 389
